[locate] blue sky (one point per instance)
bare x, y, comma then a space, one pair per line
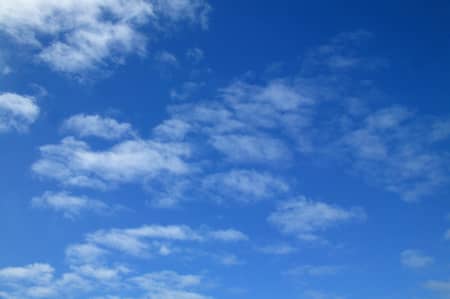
194, 149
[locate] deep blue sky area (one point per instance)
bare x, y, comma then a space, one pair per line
195, 149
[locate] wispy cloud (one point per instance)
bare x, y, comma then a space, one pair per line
70, 205
17, 112
306, 219
412, 258
78, 36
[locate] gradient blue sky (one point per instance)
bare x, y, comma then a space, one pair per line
194, 149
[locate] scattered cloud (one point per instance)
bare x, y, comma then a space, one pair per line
305, 218
95, 125
70, 205
17, 112
186, 90
78, 36
74, 163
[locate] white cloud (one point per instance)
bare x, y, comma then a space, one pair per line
172, 129
415, 259
229, 235
95, 125
250, 148
84, 253
76, 36
305, 218
70, 205
34, 273
88, 280
245, 185
17, 112
149, 239
73, 162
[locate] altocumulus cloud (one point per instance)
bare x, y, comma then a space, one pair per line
76, 36
94, 269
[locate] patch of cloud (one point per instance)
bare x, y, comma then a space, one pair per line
245, 149
305, 218
415, 259
17, 112
96, 270
84, 125
141, 240
78, 36
440, 286
229, 235
167, 58
342, 53
73, 162
88, 280
195, 55
245, 185
71, 206
186, 90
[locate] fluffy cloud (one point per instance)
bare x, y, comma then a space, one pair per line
305, 218
95, 270
73, 162
17, 112
75, 36
95, 125
70, 205
87, 279
34, 273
